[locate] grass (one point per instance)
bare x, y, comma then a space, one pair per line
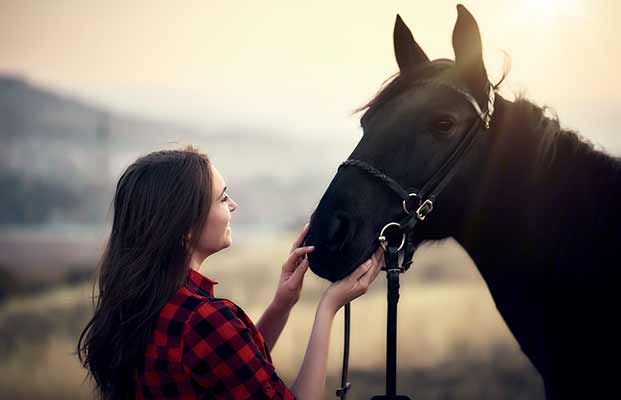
452, 342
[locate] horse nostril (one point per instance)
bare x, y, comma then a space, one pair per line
338, 231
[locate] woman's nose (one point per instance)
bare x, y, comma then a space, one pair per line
233, 205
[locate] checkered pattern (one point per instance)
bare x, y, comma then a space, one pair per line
206, 348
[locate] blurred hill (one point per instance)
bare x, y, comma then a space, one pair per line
57, 151
61, 156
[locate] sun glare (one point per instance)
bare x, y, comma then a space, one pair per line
553, 10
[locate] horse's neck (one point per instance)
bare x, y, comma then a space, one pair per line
534, 226
532, 210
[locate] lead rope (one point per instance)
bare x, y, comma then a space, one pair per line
392, 276
345, 386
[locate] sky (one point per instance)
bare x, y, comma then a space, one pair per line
302, 68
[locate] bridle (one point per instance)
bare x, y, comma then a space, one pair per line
397, 236
418, 203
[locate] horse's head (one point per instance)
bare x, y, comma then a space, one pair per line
409, 130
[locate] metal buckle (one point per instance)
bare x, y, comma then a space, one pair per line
404, 204
342, 391
424, 210
383, 240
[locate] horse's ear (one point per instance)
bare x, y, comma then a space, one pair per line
407, 51
469, 51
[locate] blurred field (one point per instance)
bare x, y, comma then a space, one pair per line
452, 342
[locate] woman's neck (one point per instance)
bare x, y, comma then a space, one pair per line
196, 261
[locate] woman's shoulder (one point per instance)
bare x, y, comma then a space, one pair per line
190, 307
205, 319
187, 311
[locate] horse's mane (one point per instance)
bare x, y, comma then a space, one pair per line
550, 141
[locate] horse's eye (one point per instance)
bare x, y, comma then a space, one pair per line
444, 124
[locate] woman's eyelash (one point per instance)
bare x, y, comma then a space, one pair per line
225, 197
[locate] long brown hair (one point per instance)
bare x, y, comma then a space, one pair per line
160, 207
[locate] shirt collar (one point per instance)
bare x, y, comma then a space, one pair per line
198, 282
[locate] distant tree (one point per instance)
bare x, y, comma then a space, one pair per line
32, 201
76, 274
9, 283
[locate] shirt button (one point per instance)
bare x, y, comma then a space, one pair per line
267, 388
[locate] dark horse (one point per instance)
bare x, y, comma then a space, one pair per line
536, 207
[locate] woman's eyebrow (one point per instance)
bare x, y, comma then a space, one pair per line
223, 190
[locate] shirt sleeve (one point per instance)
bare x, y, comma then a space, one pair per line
220, 354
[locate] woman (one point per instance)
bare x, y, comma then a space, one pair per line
158, 331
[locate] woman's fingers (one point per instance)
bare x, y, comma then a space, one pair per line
293, 260
379, 252
299, 272
361, 270
380, 263
377, 260
370, 276
358, 282
300, 239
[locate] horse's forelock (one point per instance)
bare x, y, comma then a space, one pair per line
399, 83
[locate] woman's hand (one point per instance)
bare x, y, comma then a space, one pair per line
355, 284
292, 274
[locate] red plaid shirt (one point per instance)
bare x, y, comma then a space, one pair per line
205, 347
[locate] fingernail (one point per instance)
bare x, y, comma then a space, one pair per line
310, 247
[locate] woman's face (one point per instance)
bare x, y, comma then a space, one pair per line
217, 232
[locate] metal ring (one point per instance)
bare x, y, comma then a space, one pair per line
382, 239
404, 204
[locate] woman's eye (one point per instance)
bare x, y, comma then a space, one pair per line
444, 124
225, 198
